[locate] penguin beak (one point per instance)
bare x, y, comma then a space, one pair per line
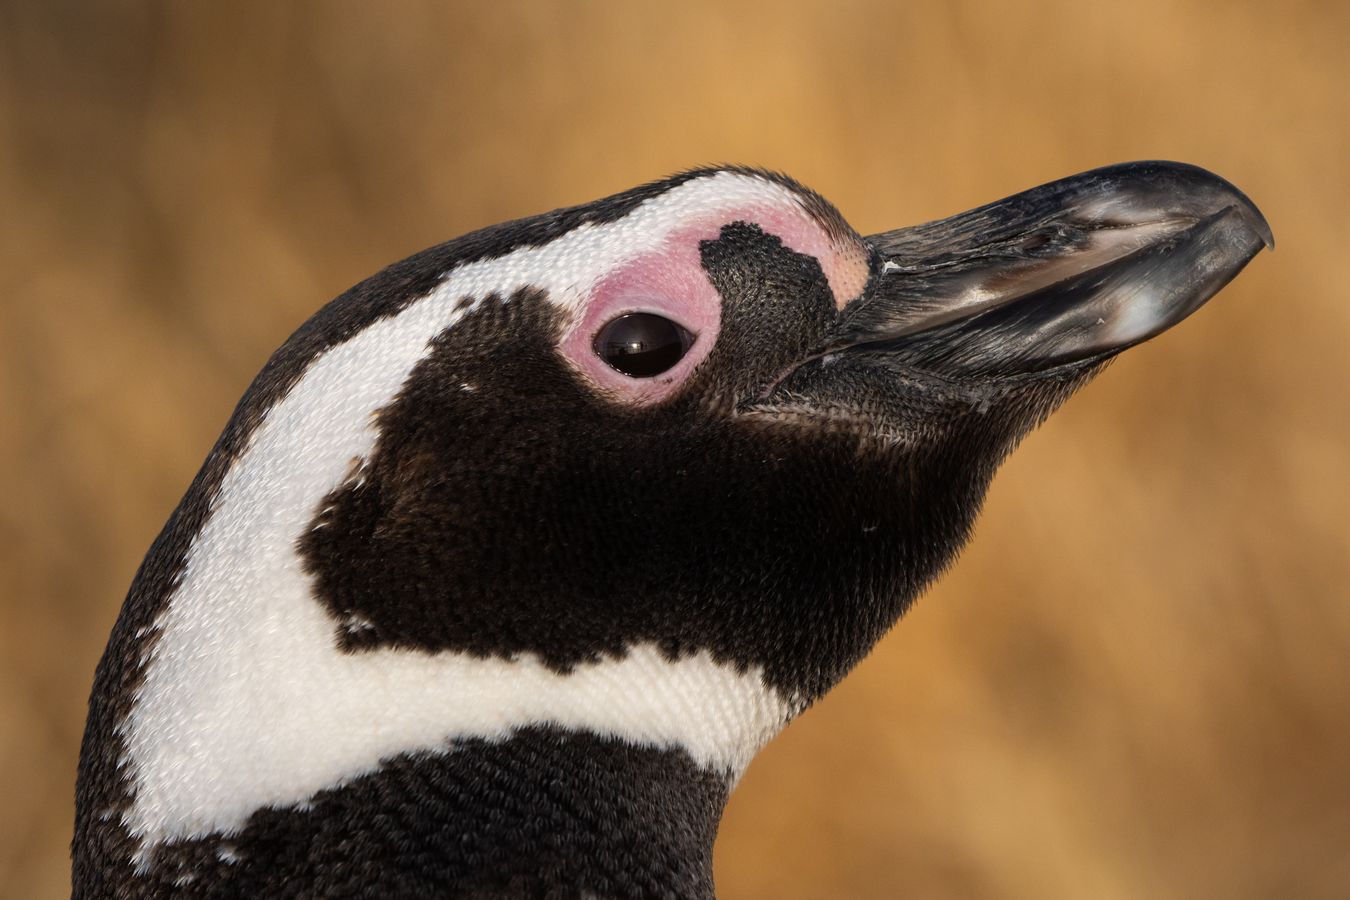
1072, 271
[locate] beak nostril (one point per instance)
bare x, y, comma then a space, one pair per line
1054, 238
1034, 242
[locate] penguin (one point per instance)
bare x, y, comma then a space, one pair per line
514, 555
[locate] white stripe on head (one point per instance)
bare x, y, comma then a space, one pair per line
247, 702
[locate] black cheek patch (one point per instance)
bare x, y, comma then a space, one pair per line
528, 515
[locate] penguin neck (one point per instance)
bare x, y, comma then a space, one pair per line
541, 812
575, 811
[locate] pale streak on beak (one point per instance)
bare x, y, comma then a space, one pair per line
1072, 270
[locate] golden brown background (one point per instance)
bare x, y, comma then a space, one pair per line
1136, 683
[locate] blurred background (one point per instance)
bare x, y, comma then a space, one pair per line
1136, 682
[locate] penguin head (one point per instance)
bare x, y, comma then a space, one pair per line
734, 425
661, 468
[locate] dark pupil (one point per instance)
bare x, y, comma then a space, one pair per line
642, 344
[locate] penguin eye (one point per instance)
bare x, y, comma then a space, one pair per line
641, 345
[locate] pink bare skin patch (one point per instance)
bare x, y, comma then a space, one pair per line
671, 282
